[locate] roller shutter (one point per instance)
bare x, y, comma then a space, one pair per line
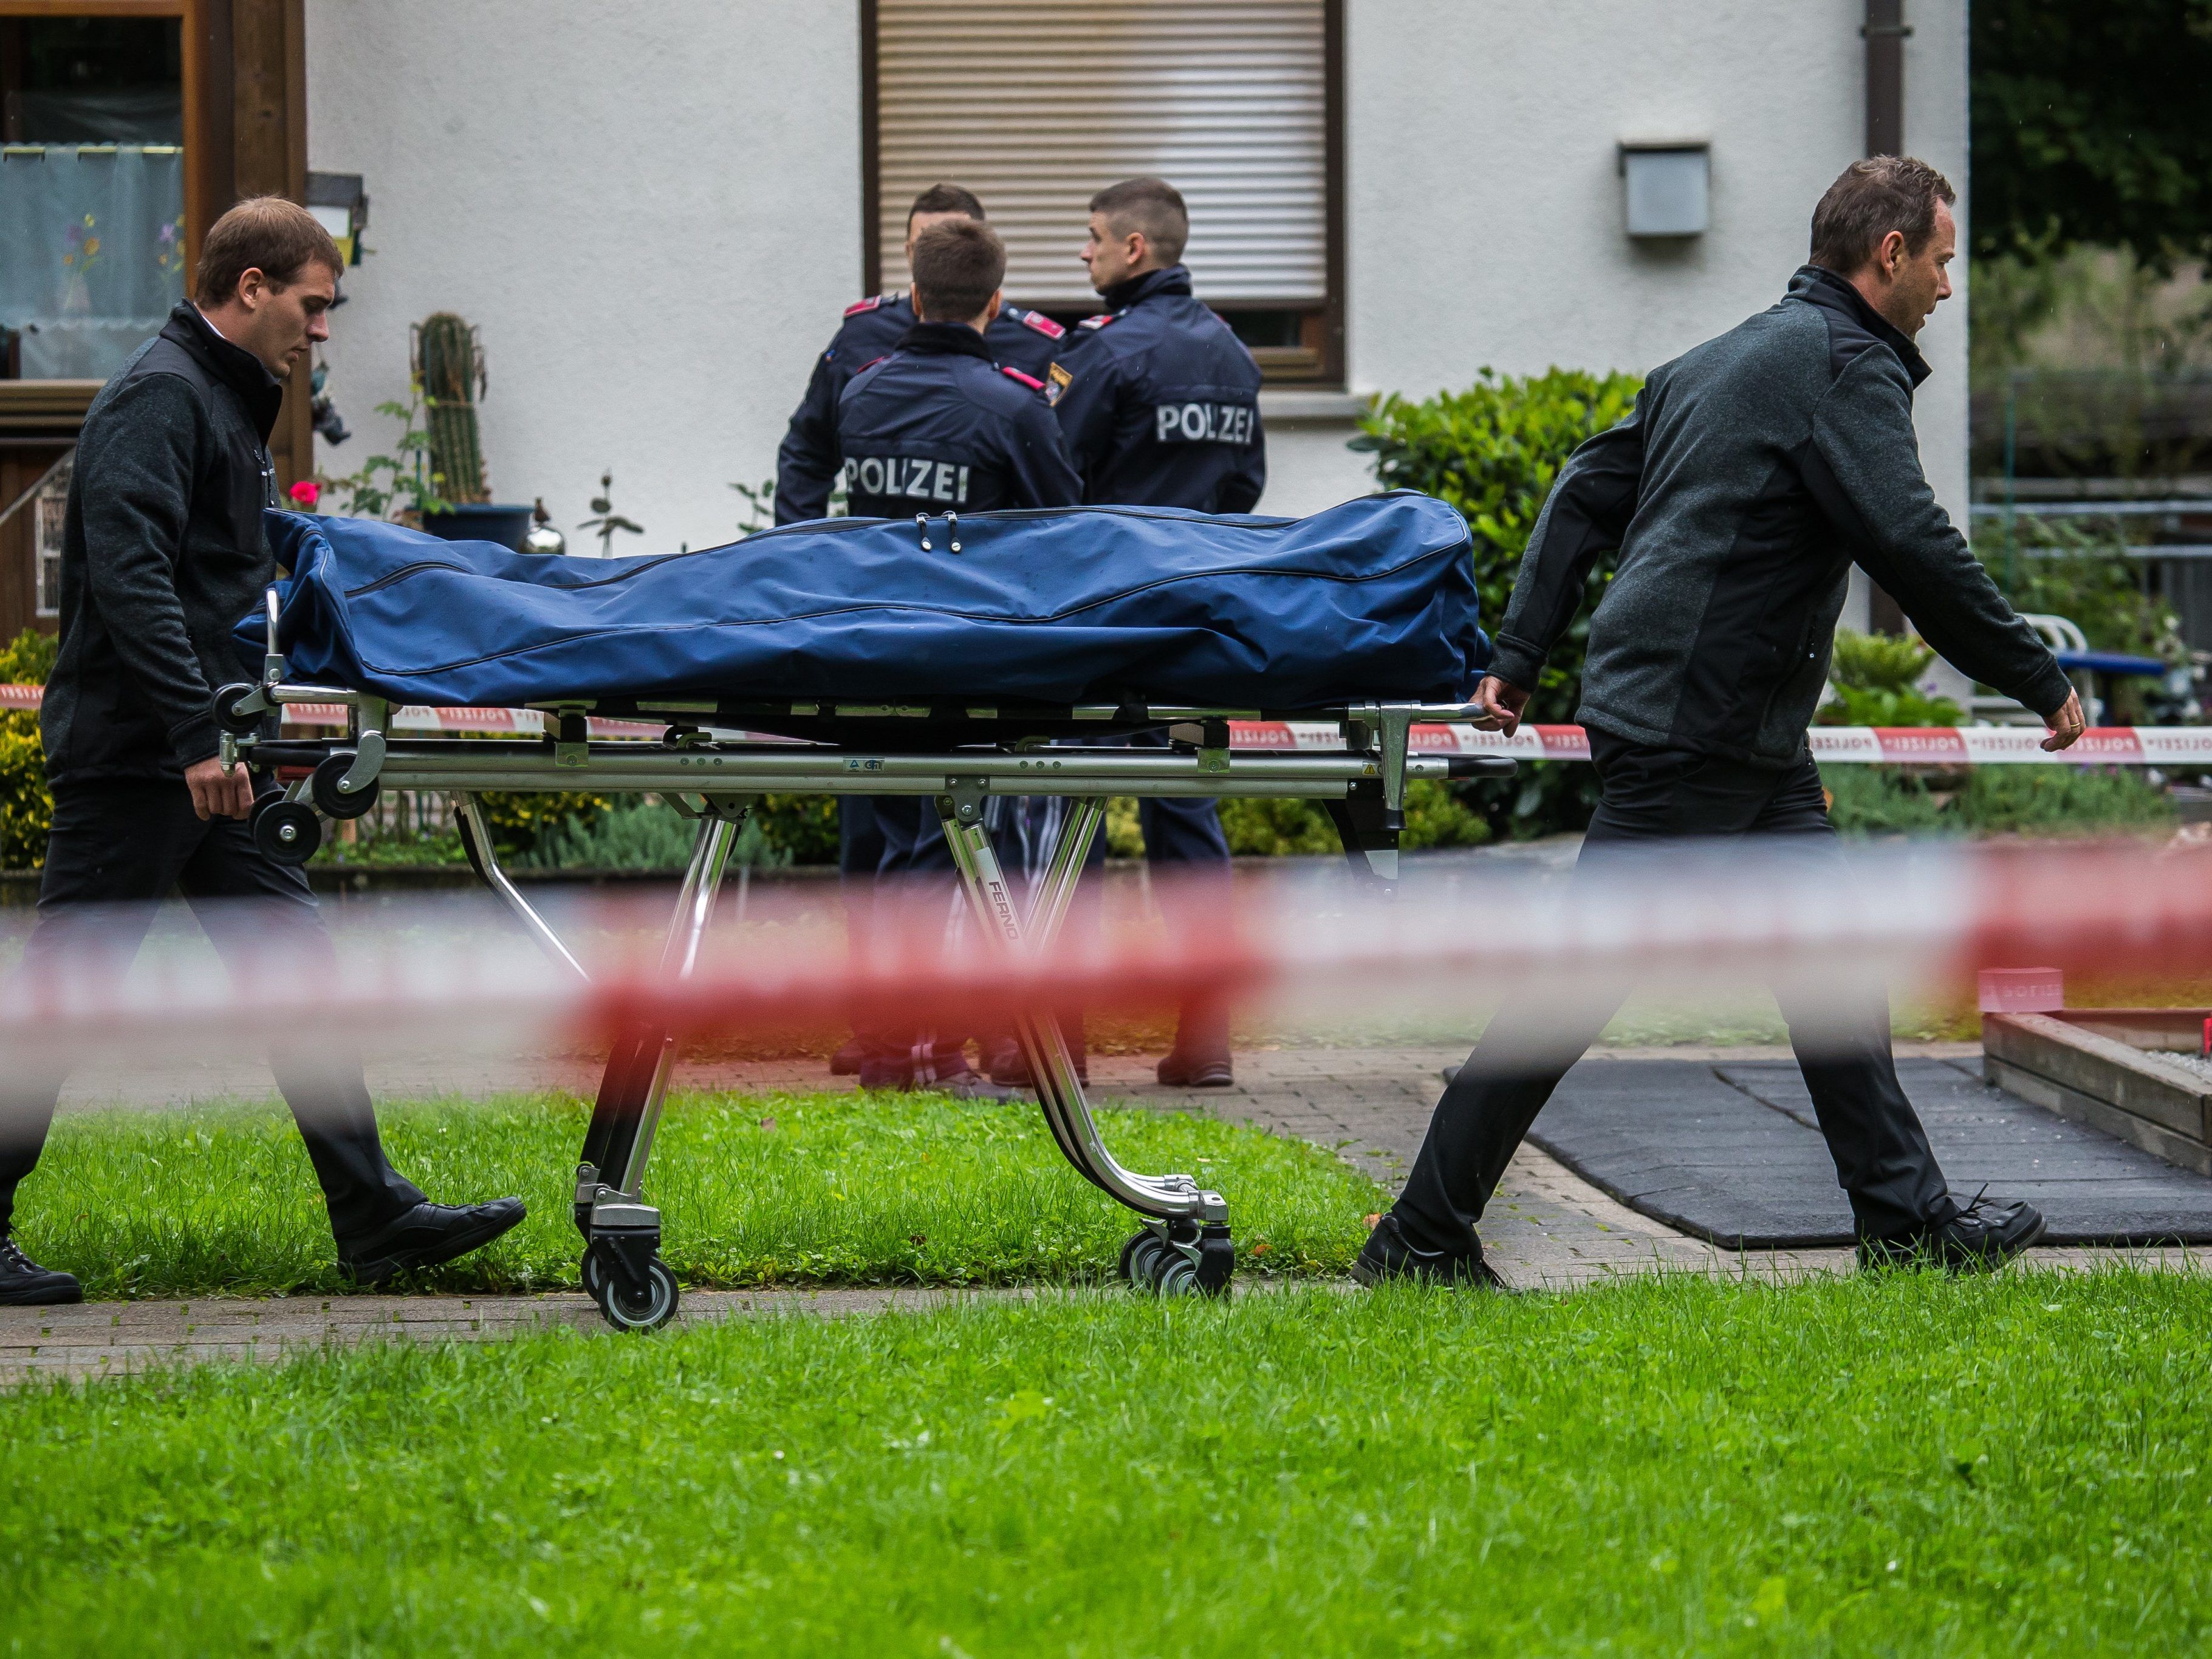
1035, 106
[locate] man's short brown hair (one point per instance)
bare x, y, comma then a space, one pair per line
946, 198
279, 239
1151, 205
1869, 200
958, 267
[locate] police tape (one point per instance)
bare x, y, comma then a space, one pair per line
1894, 746
444, 976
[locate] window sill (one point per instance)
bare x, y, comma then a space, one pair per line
1311, 406
43, 408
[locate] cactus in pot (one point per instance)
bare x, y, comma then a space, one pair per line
449, 363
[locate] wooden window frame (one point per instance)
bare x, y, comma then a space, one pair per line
1318, 359
201, 142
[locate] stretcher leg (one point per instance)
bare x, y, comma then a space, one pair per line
476, 842
1185, 1247
622, 1269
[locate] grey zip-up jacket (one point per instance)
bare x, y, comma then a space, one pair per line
163, 553
1755, 470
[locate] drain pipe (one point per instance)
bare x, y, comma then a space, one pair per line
1884, 34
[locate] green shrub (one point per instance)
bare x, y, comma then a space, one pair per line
1872, 676
522, 819
644, 834
798, 829
26, 808
1993, 801
1491, 452
1437, 815
1882, 800
2061, 800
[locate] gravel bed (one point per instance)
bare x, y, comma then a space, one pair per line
2197, 1063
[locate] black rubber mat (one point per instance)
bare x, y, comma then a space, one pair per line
1732, 1154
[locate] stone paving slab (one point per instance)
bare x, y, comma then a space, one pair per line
1547, 1229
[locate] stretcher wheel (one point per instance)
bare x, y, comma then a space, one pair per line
336, 802
226, 709
287, 832
1140, 1258
594, 1275
629, 1311
1178, 1276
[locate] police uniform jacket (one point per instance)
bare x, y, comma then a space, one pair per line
807, 462
1160, 403
937, 426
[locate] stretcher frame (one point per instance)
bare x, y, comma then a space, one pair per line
711, 764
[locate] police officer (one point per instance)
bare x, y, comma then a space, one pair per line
808, 462
937, 428
1160, 405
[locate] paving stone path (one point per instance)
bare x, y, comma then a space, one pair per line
1547, 1230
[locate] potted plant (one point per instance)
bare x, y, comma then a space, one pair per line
449, 366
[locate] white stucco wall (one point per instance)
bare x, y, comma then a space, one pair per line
1485, 217
652, 213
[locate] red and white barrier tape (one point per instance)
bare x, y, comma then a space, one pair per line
1915, 745
453, 976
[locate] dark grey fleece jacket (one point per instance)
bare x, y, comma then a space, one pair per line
1754, 471
163, 553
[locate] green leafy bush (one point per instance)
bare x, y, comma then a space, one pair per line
648, 833
645, 834
523, 820
2060, 800
1437, 815
1995, 800
27, 809
798, 829
1873, 677
1492, 450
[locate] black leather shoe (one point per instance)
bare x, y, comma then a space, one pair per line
25, 1284
427, 1236
1986, 1233
1178, 1070
1387, 1255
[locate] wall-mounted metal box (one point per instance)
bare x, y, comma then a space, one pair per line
1668, 187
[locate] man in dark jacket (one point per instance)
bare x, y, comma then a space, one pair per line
1161, 405
1755, 470
163, 553
934, 430
809, 460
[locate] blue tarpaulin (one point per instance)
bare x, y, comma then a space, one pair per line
1371, 600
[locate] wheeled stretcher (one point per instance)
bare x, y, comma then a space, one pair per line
723, 749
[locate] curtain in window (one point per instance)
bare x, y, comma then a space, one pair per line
92, 251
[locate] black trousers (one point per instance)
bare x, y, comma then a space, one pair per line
117, 849
1883, 1161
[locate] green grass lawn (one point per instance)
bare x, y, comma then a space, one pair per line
828, 1188
1904, 1465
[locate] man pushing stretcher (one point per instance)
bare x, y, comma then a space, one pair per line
1754, 471
164, 548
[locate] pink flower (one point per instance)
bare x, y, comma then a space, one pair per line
306, 493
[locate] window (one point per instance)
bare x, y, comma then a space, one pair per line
48, 509
1034, 107
92, 189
